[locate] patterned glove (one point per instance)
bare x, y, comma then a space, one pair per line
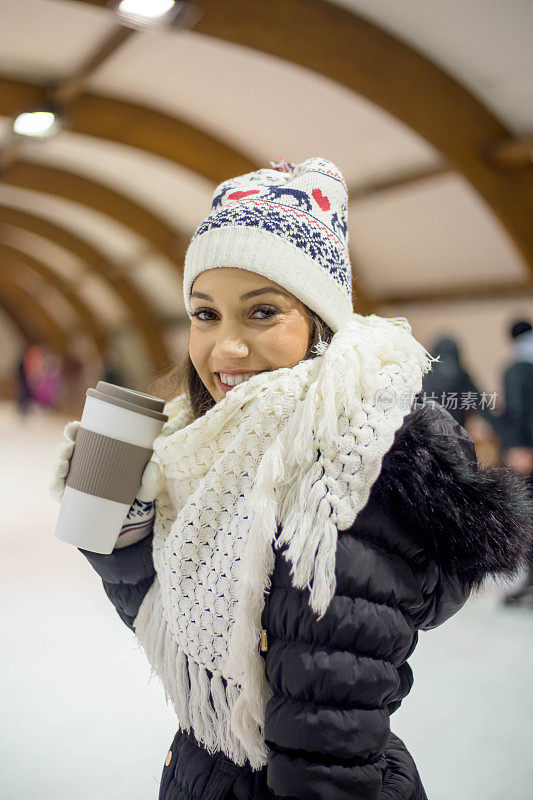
140, 519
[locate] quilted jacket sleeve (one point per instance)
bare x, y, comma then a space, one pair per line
127, 573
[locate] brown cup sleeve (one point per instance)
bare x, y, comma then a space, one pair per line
106, 467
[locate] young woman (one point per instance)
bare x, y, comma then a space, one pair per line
311, 519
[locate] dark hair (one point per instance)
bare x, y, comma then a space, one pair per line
519, 327
184, 378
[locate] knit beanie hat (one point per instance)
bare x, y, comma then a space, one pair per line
288, 223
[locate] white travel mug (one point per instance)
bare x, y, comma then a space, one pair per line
113, 445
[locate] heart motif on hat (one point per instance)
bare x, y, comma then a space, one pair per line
321, 199
240, 195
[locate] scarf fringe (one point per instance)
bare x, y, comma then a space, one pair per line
215, 712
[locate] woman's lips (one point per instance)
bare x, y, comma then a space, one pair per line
224, 386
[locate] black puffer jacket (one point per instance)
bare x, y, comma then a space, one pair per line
435, 526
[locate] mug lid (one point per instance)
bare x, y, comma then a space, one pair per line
131, 396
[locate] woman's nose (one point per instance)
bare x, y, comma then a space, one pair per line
230, 342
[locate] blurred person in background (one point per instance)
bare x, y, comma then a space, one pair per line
450, 384
33, 361
112, 371
24, 393
518, 430
47, 381
72, 380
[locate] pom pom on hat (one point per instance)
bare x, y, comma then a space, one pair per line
283, 165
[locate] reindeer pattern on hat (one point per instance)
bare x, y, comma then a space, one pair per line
306, 203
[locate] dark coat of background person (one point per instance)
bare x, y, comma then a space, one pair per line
518, 388
449, 377
518, 430
434, 528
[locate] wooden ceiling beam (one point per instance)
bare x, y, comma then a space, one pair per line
99, 197
136, 126
63, 92
29, 308
18, 261
150, 130
460, 293
139, 309
512, 153
362, 301
69, 88
377, 187
29, 333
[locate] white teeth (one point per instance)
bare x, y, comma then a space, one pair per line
234, 380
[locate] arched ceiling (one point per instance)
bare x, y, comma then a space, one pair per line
90, 193
441, 189
26, 327
20, 263
32, 313
356, 54
135, 125
484, 46
136, 304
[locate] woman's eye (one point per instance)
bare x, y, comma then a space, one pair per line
268, 310
201, 311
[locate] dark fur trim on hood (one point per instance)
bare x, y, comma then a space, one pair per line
475, 522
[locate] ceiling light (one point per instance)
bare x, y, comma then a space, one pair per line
40, 123
149, 9
156, 14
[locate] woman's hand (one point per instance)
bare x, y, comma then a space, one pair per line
139, 520
64, 454
151, 484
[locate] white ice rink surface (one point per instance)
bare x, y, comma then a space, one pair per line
81, 719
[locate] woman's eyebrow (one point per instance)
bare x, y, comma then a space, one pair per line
264, 290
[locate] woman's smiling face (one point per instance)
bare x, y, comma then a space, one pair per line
234, 331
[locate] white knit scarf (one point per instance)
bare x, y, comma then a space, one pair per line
299, 446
